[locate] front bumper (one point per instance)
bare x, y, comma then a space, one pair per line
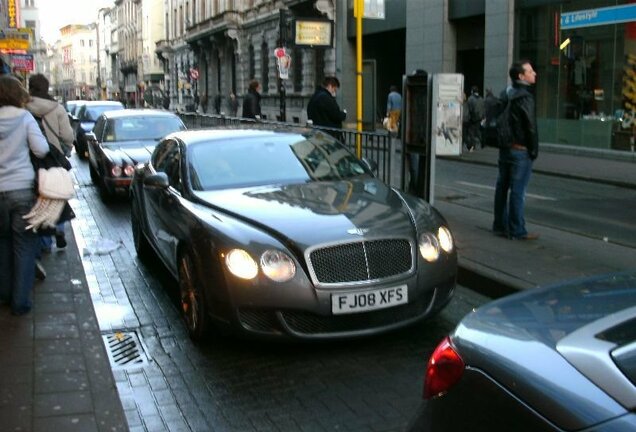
299, 324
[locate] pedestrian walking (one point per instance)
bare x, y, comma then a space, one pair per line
252, 101
59, 133
475, 105
393, 109
323, 110
19, 132
515, 161
232, 104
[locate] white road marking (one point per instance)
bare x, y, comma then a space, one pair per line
492, 188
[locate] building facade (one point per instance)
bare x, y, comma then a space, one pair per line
78, 46
211, 49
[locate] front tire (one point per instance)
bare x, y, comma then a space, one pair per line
193, 307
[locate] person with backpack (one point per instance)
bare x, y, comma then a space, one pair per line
475, 105
516, 153
56, 125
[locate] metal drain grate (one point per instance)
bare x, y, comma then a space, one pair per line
125, 350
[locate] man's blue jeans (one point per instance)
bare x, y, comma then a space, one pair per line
515, 167
17, 249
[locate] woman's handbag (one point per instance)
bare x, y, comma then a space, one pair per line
55, 183
53, 180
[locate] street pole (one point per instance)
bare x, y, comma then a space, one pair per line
359, 11
282, 42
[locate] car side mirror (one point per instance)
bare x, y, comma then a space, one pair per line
371, 165
91, 137
159, 180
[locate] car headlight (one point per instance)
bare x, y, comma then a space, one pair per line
115, 171
277, 265
129, 170
241, 264
445, 239
429, 247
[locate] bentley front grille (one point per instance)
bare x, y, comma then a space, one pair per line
361, 261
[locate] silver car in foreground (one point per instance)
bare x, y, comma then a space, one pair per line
560, 358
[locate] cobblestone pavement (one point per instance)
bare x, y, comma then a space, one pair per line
230, 384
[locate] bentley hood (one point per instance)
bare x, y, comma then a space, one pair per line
323, 212
130, 154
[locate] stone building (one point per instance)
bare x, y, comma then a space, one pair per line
78, 46
213, 48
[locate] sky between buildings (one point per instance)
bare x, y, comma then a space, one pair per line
55, 14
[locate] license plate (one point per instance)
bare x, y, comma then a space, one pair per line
363, 301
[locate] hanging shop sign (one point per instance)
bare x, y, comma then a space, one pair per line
313, 32
283, 62
373, 9
600, 16
22, 62
15, 39
13, 16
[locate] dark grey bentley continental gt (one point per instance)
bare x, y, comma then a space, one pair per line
560, 358
287, 233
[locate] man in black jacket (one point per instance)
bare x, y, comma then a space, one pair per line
515, 161
323, 110
252, 101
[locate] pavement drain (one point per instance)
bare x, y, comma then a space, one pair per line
125, 350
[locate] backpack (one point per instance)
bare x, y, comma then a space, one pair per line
496, 130
54, 153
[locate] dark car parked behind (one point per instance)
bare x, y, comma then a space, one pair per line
122, 139
87, 112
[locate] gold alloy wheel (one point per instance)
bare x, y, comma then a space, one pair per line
189, 297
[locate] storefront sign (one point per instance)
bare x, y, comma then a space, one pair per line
22, 62
600, 16
313, 32
15, 39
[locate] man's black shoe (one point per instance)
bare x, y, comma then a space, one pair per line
60, 240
